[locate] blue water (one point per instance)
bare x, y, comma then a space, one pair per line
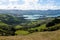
32, 16
38, 16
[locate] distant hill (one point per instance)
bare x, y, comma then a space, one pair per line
32, 12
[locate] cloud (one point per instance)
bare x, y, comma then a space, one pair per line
13, 0
42, 5
28, 4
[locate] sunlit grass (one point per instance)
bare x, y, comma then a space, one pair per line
21, 32
54, 35
40, 28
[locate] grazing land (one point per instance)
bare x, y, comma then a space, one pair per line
52, 35
38, 27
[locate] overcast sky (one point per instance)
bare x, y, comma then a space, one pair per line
30, 4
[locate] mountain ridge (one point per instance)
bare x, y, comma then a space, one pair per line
31, 12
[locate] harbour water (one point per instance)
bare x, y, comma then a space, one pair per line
38, 16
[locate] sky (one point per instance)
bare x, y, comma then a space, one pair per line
30, 4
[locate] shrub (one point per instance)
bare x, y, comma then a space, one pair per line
53, 28
50, 24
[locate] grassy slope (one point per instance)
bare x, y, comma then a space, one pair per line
54, 35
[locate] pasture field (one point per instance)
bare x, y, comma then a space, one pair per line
51, 35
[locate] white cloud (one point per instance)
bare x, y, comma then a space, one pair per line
13, 0
0, 2
29, 5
